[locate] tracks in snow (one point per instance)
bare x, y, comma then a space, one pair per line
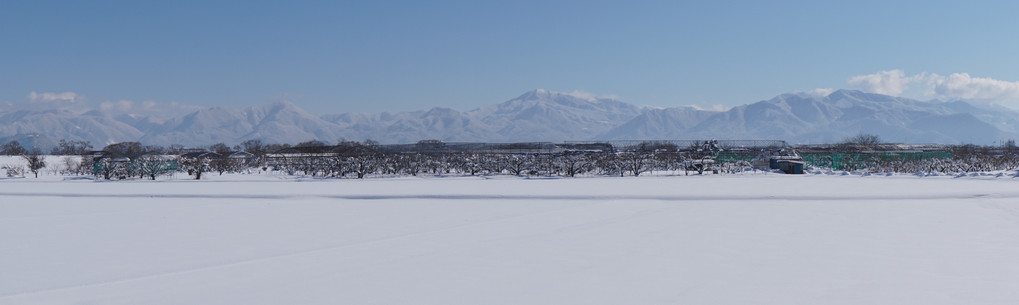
269, 258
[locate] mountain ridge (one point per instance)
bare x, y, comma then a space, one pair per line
537, 115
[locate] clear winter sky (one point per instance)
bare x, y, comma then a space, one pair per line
340, 56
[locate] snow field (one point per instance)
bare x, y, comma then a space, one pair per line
764, 239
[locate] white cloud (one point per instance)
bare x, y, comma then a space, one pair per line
964, 86
820, 92
953, 86
582, 94
892, 82
54, 97
591, 96
147, 107
715, 107
121, 106
75, 102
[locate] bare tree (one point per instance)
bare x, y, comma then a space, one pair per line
225, 164
13, 170
174, 149
194, 166
635, 162
12, 148
254, 146
220, 148
106, 168
364, 165
611, 164
154, 165
862, 140
71, 165
310, 143
36, 161
364, 160
86, 165
574, 163
71, 148
516, 164
257, 148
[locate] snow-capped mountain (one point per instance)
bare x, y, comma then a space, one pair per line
541, 115
537, 115
802, 118
43, 128
664, 123
407, 127
280, 122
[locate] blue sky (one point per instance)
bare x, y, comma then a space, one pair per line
338, 56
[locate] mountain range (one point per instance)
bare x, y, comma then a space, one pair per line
538, 115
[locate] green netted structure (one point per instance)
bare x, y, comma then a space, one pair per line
853, 161
733, 157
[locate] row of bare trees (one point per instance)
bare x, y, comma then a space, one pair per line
373, 161
964, 159
360, 160
151, 166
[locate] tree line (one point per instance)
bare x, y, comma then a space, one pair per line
349, 159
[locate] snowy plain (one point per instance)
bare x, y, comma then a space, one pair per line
717, 239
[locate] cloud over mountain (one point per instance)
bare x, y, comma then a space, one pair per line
892, 82
953, 86
54, 97
964, 86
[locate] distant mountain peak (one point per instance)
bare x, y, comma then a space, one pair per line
283, 104
857, 94
848, 92
536, 94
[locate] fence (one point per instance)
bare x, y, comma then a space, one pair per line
433, 147
854, 161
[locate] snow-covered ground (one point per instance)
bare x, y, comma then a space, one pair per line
733, 239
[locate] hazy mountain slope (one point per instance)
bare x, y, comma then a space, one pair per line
537, 115
669, 123
438, 123
958, 128
56, 124
799, 118
207, 126
541, 115
31, 140
282, 122
1001, 117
